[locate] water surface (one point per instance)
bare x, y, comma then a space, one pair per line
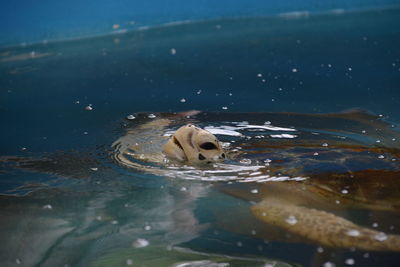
71, 203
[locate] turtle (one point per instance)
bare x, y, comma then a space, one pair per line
297, 171
298, 177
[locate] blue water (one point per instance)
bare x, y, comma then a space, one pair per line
303, 63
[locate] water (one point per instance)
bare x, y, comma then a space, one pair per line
64, 104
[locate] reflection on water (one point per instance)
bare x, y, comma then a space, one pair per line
81, 186
340, 197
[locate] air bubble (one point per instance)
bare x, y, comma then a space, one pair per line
130, 117
94, 169
182, 100
129, 262
245, 161
316, 153
353, 232
114, 222
47, 207
224, 108
380, 236
147, 228
345, 191
349, 261
320, 250
325, 144
89, 107
151, 116
291, 220
329, 264
140, 243
375, 225
381, 156
294, 70
254, 191
172, 51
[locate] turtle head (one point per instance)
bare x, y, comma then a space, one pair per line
194, 145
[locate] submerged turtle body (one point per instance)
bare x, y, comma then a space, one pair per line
300, 170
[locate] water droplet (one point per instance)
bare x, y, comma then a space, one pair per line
147, 228
381, 236
329, 264
129, 262
130, 117
47, 207
320, 249
140, 243
224, 108
151, 116
349, 261
172, 51
291, 220
381, 156
325, 144
345, 191
183, 100
245, 161
254, 191
353, 232
89, 107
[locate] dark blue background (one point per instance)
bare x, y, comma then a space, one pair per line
35, 20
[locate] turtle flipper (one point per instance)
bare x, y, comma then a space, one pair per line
324, 228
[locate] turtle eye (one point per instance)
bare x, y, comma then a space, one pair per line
208, 146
